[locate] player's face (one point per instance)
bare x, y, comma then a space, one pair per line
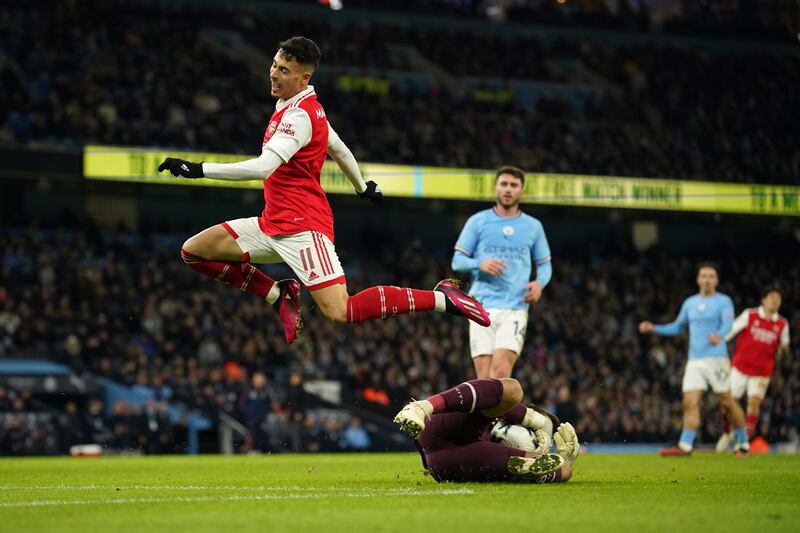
508, 189
707, 279
772, 302
287, 77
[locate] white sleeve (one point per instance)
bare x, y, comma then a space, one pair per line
293, 133
738, 325
785, 335
345, 159
259, 168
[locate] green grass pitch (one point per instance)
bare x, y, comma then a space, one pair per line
389, 492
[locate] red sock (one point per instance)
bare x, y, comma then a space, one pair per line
470, 396
723, 418
750, 422
240, 274
386, 300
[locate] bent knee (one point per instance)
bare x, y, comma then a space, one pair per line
192, 250
512, 390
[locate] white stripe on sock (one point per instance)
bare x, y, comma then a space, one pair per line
474, 395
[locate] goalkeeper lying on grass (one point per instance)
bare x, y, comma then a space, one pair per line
479, 431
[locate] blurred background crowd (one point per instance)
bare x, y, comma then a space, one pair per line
121, 305
398, 91
649, 88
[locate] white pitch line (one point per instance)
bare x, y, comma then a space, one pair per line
184, 499
264, 488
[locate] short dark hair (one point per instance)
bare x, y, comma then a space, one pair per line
707, 264
514, 171
771, 288
301, 49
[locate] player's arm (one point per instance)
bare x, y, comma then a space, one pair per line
467, 243
738, 325
783, 348
340, 153
540, 252
293, 133
670, 329
726, 322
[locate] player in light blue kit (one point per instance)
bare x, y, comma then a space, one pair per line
498, 246
709, 315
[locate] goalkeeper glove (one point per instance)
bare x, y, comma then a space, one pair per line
567, 442
373, 193
180, 167
543, 441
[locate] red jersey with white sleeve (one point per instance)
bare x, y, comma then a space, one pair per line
294, 199
295, 143
760, 337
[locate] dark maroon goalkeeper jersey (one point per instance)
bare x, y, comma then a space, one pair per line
443, 430
456, 447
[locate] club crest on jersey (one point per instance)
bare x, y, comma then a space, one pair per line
701, 307
271, 128
508, 231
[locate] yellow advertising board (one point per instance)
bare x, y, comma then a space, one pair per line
139, 165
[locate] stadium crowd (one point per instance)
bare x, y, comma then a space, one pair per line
70, 77
122, 305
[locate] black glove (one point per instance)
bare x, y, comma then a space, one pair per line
179, 167
373, 193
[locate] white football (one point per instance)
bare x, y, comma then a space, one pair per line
514, 436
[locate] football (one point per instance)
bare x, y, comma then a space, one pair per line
514, 436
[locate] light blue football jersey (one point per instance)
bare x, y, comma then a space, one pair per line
704, 315
518, 241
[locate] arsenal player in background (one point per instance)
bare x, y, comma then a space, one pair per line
763, 333
296, 226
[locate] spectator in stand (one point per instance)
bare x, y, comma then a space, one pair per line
355, 437
257, 404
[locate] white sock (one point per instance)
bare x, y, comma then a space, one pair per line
440, 305
274, 293
534, 420
685, 446
426, 406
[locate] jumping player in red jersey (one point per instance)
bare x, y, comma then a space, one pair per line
453, 434
296, 226
763, 334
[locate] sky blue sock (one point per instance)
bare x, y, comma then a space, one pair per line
740, 436
687, 437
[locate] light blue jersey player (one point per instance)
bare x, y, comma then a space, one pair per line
498, 247
709, 317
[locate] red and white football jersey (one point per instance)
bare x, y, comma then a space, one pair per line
760, 336
294, 199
